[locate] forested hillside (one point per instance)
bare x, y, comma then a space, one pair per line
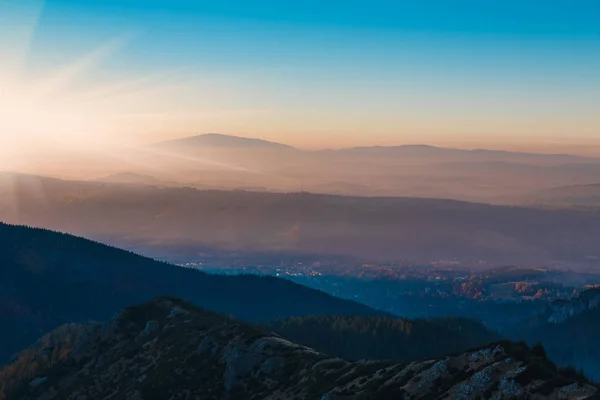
167, 349
356, 337
571, 332
48, 279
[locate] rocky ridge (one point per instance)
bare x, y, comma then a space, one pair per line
562, 310
167, 349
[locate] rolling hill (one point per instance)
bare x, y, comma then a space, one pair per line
130, 178
574, 196
48, 279
420, 230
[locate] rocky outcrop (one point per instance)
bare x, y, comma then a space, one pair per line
154, 352
562, 310
37, 381
149, 329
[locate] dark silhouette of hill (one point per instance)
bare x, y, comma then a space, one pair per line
358, 338
168, 349
421, 230
48, 279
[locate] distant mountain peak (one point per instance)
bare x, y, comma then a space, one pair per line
221, 140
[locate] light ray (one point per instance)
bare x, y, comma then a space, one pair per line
62, 109
63, 78
18, 22
135, 86
66, 113
204, 161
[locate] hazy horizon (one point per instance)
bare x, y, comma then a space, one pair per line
542, 149
95, 91
512, 76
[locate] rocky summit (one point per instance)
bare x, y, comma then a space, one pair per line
168, 349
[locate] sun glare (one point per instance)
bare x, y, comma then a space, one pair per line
63, 109
30, 120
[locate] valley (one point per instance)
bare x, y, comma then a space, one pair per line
49, 279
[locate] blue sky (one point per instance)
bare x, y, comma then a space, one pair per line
334, 73
526, 18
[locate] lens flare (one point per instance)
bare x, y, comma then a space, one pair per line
62, 113
56, 111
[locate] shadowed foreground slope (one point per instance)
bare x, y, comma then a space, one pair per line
167, 350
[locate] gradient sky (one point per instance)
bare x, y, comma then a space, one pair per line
501, 74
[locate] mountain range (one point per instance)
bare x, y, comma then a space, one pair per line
167, 349
216, 161
419, 230
215, 140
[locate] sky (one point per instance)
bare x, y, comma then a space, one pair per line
499, 74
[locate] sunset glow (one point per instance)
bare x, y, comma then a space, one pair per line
61, 108
55, 111
299, 199
79, 76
